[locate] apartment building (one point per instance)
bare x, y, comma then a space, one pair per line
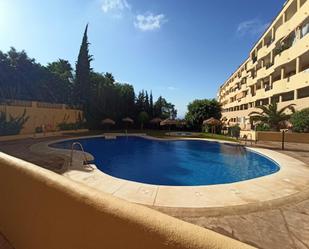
277, 69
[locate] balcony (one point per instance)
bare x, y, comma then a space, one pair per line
262, 52
260, 93
261, 73
243, 87
297, 49
280, 86
292, 24
264, 72
244, 74
251, 81
249, 65
296, 81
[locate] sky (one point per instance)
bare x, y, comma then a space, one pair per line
180, 49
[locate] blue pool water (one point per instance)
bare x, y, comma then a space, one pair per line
175, 163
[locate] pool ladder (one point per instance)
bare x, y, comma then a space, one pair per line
85, 160
251, 140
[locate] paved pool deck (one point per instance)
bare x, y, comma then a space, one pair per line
282, 222
289, 182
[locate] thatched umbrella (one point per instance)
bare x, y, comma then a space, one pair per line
213, 123
168, 122
285, 124
127, 121
108, 122
155, 121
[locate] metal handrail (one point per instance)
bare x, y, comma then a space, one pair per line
83, 151
250, 138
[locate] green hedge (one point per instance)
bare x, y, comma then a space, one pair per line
300, 120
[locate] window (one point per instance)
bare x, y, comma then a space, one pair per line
275, 99
304, 30
265, 101
303, 92
288, 96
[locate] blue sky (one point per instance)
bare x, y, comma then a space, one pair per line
180, 49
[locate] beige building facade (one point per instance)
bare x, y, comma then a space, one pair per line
277, 69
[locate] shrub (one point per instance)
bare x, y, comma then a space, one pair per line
12, 126
38, 129
67, 126
143, 117
263, 127
300, 120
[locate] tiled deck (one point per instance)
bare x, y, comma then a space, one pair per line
289, 181
279, 225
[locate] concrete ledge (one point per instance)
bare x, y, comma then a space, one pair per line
40, 209
39, 135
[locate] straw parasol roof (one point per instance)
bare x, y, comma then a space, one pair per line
108, 121
181, 122
155, 120
168, 121
285, 124
211, 121
128, 120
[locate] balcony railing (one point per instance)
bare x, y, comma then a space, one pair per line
284, 46
268, 65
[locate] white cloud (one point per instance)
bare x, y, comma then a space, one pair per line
148, 21
252, 27
115, 5
171, 88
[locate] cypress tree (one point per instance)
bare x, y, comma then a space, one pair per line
147, 104
82, 87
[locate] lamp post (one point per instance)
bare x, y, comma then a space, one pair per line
283, 138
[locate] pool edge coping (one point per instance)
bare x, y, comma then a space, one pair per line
248, 192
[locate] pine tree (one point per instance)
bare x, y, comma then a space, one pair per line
82, 89
140, 101
151, 105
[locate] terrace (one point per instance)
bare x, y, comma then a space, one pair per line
276, 222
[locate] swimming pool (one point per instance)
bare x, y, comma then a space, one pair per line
174, 162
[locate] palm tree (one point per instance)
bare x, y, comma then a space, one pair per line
271, 115
110, 77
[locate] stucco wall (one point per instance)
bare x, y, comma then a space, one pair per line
269, 136
49, 115
40, 209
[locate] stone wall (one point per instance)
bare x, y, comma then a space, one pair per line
40, 114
